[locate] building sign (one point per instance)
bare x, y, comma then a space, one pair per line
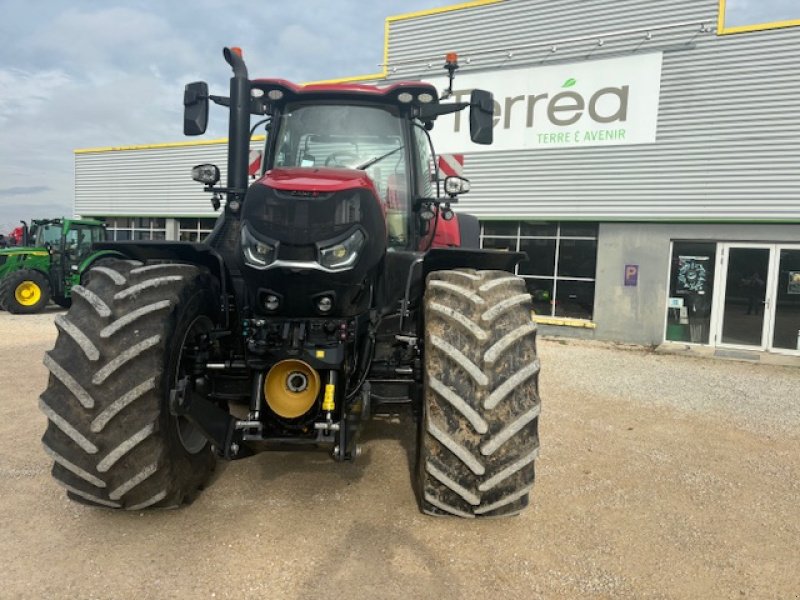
592, 103
631, 275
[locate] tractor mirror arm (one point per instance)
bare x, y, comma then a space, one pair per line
429, 112
256, 106
221, 100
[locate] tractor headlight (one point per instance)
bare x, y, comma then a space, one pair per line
344, 254
258, 253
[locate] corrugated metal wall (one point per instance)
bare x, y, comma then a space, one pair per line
146, 182
728, 142
728, 126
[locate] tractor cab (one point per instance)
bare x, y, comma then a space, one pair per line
348, 177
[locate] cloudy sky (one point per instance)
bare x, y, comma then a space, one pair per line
77, 74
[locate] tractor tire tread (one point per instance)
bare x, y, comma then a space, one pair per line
109, 433
479, 433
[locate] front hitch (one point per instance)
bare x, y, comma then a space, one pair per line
219, 427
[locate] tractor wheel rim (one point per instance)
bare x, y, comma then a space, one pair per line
28, 293
189, 434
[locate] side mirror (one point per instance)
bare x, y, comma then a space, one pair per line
195, 108
481, 117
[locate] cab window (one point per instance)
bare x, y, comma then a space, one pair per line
48, 234
425, 163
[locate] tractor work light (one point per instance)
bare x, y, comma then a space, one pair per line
425, 98
342, 255
404, 97
206, 173
275, 94
453, 185
257, 253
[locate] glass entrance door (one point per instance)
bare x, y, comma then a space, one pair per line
786, 328
745, 306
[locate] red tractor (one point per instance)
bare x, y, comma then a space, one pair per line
317, 301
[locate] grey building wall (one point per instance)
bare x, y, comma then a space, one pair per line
727, 142
637, 314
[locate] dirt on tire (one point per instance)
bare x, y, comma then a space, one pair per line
479, 436
110, 435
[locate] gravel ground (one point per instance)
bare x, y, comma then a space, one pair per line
661, 477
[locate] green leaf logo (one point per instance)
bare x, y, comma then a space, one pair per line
569, 83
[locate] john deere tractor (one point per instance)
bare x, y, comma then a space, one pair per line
54, 256
319, 300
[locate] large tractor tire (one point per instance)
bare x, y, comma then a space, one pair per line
24, 292
479, 432
120, 349
62, 301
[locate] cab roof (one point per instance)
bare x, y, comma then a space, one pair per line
281, 91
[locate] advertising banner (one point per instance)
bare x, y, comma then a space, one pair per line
591, 103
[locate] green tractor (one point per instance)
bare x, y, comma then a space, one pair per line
53, 258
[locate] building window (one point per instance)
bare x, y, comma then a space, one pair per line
561, 263
740, 17
691, 289
195, 230
135, 228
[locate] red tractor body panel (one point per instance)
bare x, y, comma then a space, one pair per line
345, 89
448, 233
319, 179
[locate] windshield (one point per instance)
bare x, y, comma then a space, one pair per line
47, 234
369, 138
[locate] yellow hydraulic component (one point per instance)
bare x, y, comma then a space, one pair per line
291, 388
327, 402
28, 293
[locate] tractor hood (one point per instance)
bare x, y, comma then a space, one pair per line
14, 250
309, 232
308, 205
316, 179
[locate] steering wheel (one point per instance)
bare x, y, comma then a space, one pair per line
336, 159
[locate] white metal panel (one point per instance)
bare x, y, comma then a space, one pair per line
146, 182
728, 128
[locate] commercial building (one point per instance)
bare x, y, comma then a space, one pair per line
645, 157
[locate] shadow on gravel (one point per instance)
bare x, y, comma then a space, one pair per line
289, 461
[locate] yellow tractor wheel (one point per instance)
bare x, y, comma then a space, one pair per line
25, 292
28, 293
